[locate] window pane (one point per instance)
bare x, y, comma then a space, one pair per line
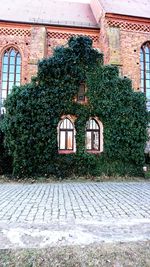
141, 55
11, 77
4, 78
147, 57
5, 68
10, 86
147, 84
148, 93
5, 60
62, 125
142, 75
62, 140
18, 60
88, 125
95, 125
91, 124
12, 53
12, 68
96, 140
146, 49
17, 77
18, 69
148, 66
66, 124
70, 125
2, 101
88, 140
12, 60
17, 83
142, 85
69, 140
4, 94
4, 85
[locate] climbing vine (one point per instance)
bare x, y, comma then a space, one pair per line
34, 111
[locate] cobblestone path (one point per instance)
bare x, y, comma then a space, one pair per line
97, 206
48, 202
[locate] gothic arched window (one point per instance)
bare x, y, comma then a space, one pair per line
11, 71
94, 136
145, 68
66, 135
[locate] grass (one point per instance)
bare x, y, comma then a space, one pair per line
102, 255
49, 179
147, 174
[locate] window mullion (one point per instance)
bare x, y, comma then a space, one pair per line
72, 139
99, 139
8, 70
144, 69
15, 69
66, 138
92, 141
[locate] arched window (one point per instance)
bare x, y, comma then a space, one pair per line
94, 136
66, 135
145, 69
11, 71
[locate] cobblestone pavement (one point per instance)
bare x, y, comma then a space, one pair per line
61, 207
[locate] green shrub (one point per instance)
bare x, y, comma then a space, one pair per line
34, 110
5, 159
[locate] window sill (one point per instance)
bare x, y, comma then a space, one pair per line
66, 152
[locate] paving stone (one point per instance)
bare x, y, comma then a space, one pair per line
74, 200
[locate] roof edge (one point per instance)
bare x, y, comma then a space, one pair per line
127, 17
96, 27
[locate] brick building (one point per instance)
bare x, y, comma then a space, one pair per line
30, 30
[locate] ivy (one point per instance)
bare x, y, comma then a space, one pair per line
34, 111
5, 159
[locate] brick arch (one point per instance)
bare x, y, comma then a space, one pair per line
146, 42
11, 45
141, 45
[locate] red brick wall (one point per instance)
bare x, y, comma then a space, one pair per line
119, 39
36, 42
125, 37
57, 36
130, 44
